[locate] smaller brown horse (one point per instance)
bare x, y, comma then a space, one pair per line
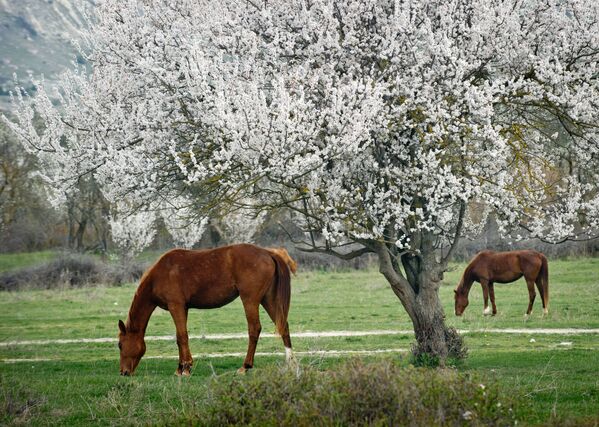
489, 267
183, 279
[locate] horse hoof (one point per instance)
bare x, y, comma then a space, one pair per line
545, 312
487, 312
242, 371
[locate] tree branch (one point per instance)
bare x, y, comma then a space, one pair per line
458, 232
346, 256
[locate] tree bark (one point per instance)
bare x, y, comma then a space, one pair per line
418, 291
429, 322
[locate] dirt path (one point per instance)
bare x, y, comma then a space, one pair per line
309, 334
322, 353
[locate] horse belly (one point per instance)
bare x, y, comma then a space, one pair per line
213, 296
507, 277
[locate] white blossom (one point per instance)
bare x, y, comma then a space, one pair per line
375, 119
132, 232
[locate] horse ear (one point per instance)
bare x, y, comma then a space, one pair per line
122, 327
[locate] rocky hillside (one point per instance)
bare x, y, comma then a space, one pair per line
35, 38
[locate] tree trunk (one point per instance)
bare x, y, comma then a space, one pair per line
429, 321
418, 291
80, 234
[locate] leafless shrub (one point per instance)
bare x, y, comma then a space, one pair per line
355, 393
70, 271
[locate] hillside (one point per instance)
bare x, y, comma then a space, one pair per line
35, 39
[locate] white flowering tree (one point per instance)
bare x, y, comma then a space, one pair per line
243, 223
182, 221
379, 123
132, 231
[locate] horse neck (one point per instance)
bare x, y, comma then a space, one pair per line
141, 309
466, 282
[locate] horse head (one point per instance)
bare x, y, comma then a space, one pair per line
132, 348
461, 300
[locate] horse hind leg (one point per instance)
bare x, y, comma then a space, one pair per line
531, 296
269, 305
254, 328
492, 296
544, 294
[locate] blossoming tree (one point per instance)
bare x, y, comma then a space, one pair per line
379, 123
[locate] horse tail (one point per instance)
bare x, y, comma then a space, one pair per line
282, 291
544, 274
282, 252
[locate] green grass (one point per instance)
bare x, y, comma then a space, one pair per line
27, 259
14, 261
80, 384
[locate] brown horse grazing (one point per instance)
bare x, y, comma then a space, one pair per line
489, 267
183, 279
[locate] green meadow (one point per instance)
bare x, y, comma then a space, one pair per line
551, 378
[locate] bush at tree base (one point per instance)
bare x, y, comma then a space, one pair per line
456, 351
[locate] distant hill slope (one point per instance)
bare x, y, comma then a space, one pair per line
35, 38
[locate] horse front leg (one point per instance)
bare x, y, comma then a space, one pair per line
254, 328
179, 315
492, 296
485, 285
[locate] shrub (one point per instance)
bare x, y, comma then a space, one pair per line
355, 393
69, 270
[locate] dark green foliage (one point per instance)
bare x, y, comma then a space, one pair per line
355, 393
422, 359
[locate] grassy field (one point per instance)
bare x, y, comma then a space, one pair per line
20, 260
552, 375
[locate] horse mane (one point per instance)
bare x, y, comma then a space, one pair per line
467, 272
143, 286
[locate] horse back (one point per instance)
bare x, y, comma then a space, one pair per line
505, 267
211, 278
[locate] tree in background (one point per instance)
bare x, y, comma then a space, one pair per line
87, 213
377, 123
27, 222
16, 175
